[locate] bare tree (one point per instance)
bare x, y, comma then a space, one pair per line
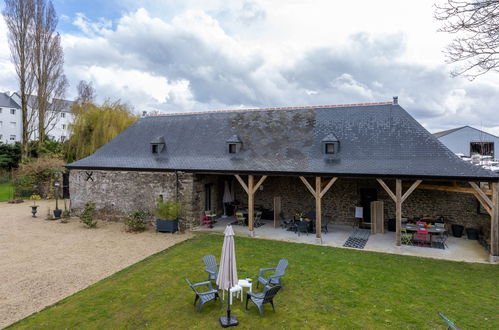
86, 92
476, 26
19, 15
48, 67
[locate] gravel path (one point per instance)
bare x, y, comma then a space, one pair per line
42, 261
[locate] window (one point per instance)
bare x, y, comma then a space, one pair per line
329, 148
0, 110
1, 137
13, 123
63, 115
63, 138
482, 148
12, 111
12, 137
232, 148
154, 148
1, 123
63, 126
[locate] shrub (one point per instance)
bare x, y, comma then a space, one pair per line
10, 155
167, 210
87, 216
37, 177
136, 221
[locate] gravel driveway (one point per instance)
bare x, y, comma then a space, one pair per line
42, 261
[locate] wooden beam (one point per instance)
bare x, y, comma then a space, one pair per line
484, 204
318, 215
411, 189
398, 210
326, 188
453, 189
312, 191
494, 222
251, 205
259, 183
241, 181
481, 193
387, 189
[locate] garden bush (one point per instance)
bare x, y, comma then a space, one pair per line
136, 221
87, 216
37, 177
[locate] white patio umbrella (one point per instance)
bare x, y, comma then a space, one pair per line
227, 274
227, 198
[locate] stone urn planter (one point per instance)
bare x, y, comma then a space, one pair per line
34, 209
168, 226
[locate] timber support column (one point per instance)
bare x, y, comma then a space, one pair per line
494, 224
250, 189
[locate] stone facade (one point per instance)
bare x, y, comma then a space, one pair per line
119, 192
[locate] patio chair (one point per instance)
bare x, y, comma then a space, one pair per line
205, 221
422, 237
285, 223
450, 324
211, 215
257, 220
211, 267
260, 299
241, 219
324, 225
206, 296
405, 237
275, 278
302, 227
441, 239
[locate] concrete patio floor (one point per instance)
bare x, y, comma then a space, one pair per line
459, 249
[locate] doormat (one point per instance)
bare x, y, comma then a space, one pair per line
358, 239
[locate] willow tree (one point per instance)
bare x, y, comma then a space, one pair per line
95, 126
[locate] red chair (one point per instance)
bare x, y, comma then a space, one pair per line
206, 221
421, 223
422, 238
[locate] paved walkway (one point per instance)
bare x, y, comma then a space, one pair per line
42, 261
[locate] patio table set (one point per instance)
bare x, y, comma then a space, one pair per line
303, 223
424, 234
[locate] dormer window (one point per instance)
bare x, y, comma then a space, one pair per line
158, 145
329, 148
234, 144
330, 145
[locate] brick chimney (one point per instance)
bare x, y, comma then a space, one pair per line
395, 100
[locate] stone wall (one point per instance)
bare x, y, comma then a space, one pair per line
340, 201
116, 193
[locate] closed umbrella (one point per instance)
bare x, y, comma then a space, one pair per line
227, 198
227, 274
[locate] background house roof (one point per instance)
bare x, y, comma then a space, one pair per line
449, 131
379, 139
7, 102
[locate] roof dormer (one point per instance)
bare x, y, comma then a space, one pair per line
234, 144
158, 145
330, 144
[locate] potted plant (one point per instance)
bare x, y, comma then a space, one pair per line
57, 211
34, 207
167, 215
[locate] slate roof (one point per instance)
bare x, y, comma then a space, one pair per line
7, 102
443, 133
376, 140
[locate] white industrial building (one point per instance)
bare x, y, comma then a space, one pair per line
11, 119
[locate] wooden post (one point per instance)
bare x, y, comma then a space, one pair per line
277, 211
251, 205
398, 210
318, 215
494, 224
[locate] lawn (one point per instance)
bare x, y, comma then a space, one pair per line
5, 191
323, 288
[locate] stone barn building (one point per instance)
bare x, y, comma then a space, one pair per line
324, 159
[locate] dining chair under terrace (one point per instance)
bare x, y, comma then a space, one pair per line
275, 278
422, 237
405, 237
205, 296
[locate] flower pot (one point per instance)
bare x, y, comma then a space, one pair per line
472, 233
457, 230
169, 226
34, 210
57, 213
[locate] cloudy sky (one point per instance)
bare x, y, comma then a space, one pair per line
194, 55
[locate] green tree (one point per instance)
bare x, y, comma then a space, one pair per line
94, 126
10, 155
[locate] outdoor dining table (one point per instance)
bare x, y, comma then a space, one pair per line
433, 230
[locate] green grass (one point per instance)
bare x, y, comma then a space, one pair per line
323, 288
5, 191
